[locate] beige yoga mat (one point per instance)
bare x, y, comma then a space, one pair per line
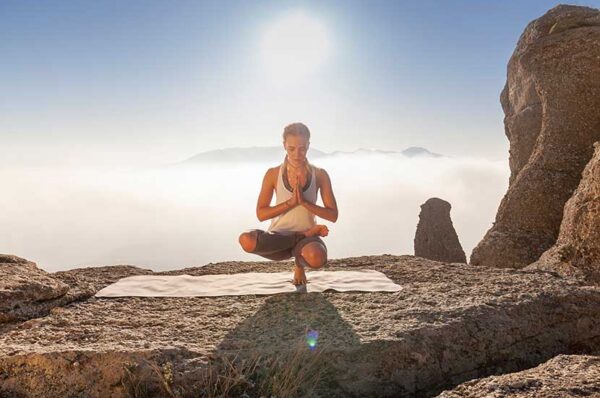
247, 283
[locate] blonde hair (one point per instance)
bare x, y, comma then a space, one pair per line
299, 129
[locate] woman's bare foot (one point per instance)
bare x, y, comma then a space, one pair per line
318, 229
299, 276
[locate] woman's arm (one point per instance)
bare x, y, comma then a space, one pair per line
330, 211
323, 212
263, 209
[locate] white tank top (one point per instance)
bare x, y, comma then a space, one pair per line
299, 218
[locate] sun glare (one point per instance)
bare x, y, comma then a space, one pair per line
294, 47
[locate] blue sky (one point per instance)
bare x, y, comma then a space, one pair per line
157, 81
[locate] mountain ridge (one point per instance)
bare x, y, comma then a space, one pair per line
274, 153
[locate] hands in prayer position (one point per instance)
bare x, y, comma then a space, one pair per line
297, 198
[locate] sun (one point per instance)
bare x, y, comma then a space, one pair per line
294, 47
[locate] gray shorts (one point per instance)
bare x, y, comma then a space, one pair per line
277, 246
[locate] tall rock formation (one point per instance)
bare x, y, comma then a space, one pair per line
551, 102
436, 238
577, 249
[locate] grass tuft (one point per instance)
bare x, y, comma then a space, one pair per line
291, 373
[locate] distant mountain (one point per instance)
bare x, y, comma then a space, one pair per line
244, 155
363, 151
276, 154
419, 151
409, 152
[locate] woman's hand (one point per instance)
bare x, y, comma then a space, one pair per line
293, 201
298, 191
319, 229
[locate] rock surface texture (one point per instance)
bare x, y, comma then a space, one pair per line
436, 238
551, 102
451, 323
28, 292
25, 290
577, 249
562, 376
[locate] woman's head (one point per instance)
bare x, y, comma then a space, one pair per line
297, 129
296, 138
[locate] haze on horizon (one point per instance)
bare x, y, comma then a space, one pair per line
190, 215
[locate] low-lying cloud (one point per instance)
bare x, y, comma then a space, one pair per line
175, 217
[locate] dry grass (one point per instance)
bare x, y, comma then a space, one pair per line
293, 373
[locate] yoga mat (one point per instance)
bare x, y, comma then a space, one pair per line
247, 283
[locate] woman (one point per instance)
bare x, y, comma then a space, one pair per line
294, 231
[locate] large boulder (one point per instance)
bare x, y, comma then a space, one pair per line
577, 249
29, 292
24, 288
22, 281
551, 102
436, 238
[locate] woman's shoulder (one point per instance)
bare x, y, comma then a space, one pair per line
316, 168
313, 166
320, 173
272, 174
275, 170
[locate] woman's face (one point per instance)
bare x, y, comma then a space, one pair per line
296, 147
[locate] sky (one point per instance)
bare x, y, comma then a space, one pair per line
155, 82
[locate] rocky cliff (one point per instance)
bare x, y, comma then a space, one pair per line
577, 249
450, 323
551, 102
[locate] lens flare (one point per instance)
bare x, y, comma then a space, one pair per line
311, 338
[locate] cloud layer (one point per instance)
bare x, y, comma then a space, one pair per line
170, 218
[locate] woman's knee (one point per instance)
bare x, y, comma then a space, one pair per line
248, 241
315, 254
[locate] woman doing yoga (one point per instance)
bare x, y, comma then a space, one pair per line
294, 231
